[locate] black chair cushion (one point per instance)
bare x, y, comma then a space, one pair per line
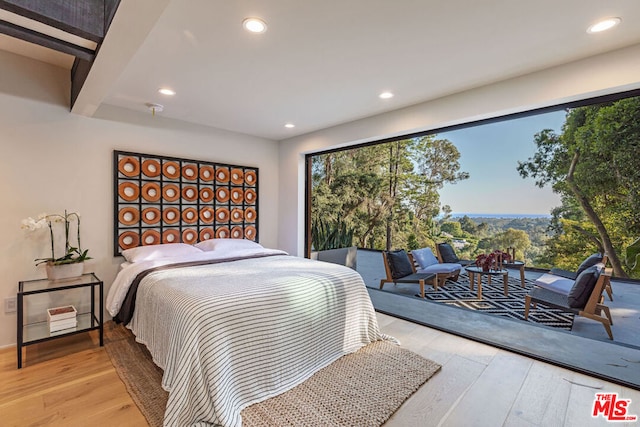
399, 264
590, 261
583, 287
446, 253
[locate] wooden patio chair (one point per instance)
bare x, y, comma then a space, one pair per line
446, 254
560, 281
425, 261
592, 309
401, 269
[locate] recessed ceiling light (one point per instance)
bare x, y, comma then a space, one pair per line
166, 91
386, 95
289, 125
254, 25
603, 25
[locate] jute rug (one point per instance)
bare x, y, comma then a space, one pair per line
360, 389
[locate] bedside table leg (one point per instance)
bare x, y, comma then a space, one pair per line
19, 337
101, 288
93, 306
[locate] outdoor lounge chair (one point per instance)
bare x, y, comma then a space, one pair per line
584, 299
561, 281
400, 269
426, 262
446, 254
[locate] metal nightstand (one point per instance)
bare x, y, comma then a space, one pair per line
32, 333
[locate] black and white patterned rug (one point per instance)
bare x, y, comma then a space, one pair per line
494, 301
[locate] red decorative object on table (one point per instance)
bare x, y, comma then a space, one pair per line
493, 260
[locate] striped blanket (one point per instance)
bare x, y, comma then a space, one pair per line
236, 333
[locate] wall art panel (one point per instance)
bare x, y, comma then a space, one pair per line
169, 200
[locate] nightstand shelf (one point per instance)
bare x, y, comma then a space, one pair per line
35, 332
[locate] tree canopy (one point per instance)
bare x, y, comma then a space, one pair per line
594, 164
386, 193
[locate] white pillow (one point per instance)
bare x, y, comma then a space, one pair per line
151, 252
424, 257
227, 245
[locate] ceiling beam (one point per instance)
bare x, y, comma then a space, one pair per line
83, 18
88, 19
79, 74
131, 25
82, 67
47, 41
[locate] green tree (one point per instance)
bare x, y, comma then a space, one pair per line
347, 188
400, 169
595, 165
386, 193
512, 238
436, 162
468, 225
452, 227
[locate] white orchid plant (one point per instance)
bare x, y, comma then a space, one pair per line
72, 254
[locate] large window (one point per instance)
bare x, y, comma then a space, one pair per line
557, 185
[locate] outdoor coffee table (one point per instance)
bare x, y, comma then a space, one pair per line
516, 265
489, 273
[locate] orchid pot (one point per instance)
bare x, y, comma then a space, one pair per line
71, 264
64, 271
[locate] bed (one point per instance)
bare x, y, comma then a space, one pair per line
232, 323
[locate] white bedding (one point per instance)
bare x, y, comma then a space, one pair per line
235, 333
129, 270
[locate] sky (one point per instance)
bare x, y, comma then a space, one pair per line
490, 154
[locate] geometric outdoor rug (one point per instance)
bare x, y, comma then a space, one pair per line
495, 303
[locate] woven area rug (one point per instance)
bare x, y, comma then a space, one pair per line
496, 303
360, 389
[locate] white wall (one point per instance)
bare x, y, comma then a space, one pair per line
608, 73
51, 159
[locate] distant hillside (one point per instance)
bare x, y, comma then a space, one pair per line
479, 233
519, 223
499, 215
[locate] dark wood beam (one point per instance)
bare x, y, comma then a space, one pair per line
47, 41
83, 18
81, 67
79, 73
110, 7
88, 19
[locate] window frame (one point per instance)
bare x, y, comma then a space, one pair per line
567, 105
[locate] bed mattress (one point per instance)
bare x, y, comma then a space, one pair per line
234, 333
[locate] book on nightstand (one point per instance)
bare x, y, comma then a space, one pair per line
61, 318
60, 313
60, 325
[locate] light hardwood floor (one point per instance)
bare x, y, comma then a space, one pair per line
478, 385
67, 382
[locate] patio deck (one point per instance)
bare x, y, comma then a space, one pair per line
582, 348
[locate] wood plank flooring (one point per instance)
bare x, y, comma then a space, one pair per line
67, 382
71, 382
